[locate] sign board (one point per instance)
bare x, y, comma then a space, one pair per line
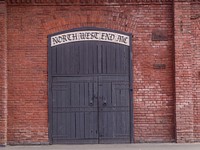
90, 36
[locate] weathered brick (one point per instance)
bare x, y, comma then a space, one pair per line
166, 102
3, 74
153, 95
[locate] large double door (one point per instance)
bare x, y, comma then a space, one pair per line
89, 93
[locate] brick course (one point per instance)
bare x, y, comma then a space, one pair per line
166, 106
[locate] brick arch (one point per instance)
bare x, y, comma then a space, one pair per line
121, 23
113, 20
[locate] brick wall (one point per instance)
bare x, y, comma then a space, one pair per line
153, 87
27, 77
195, 41
3, 75
186, 19
28, 27
166, 97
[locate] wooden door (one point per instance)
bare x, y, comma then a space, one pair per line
89, 92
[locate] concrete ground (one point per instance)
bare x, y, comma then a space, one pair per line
170, 146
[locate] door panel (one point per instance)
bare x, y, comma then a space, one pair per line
75, 110
114, 58
114, 118
75, 59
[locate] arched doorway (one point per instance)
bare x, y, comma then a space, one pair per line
90, 86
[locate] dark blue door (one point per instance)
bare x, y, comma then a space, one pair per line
89, 92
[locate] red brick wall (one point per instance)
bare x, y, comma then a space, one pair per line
166, 100
3, 75
195, 41
28, 27
27, 76
187, 75
153, 88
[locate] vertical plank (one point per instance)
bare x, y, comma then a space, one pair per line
76, 59
67, 95
62, 60
61, 123
58, 59
54, 126
121, 60
70, 60
75, 94
80, 114
82, 59
91, 125
112, 58
105, 114
72, 113
104, 60
90, 114
90, 58
95, 58
127, 127
109, 125
72, 125
66, 105
126, 60
108, 64
54, 60
82, 126
57, 104
95, 113
87, 127
67, 59
100, 114
86, 115
68, 117
86, 63
81, 94
67, 123
77, 127
73, 52
114, 95
99, 48
117, 63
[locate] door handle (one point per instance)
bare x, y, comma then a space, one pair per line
104, 103
91, 102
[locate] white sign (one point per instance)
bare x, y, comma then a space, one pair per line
90, 36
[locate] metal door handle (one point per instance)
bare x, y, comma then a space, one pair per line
104, 103
91, 103
92, 100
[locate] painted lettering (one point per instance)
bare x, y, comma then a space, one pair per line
90, 36
74, 36
64, 38
82, 36
122, 39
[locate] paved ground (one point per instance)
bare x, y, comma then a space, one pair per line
109, 147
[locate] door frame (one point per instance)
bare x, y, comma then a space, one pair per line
50, 98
